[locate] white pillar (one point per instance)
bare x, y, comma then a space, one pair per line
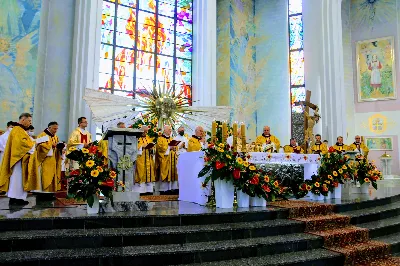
204, 52
324, 64
85, 65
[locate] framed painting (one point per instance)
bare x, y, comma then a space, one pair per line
376, 72
379, 143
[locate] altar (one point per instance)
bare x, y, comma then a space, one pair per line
190, 164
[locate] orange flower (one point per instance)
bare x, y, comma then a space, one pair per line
266, 178
366, 180
113, 174
276, 183
330, 177
308, 187
100, 169
316, 184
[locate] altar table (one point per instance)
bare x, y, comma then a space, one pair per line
190, 164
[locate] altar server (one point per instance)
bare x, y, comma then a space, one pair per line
359, 146
318, 147
339, 146
17, 172
4, 138
79, 138
293, 147
166, 161
197, 141
266, 139
184, 140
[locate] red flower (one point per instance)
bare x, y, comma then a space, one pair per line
303, 186
236, 173
93, 149
206, 159
266, 188
75, 172
107, 183
331, 149
335, 184
341, 161
248, 156
235, 154
219, 165
254, 180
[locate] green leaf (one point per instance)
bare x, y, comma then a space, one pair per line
204, 171
90, 201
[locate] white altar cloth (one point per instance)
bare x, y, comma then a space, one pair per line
190, 164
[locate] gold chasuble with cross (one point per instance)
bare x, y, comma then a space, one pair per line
264, 138
360, 147
319, 148
79, 137
341, 147
166, 160
144, 162
17, 150
49, 162
292, 149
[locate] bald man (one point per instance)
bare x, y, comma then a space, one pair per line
197, 141
166, 160
359, 146
266, 138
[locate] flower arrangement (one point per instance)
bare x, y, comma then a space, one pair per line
93, 176
151, 122
366, 172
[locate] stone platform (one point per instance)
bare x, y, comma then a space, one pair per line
183, 233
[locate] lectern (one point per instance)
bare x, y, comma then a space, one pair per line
122, 153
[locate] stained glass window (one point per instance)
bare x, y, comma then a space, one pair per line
146, 42
296, 54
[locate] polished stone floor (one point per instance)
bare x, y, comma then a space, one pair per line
38, 209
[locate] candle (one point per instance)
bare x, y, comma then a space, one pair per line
234, 145
224, 132
243, 132
213, 130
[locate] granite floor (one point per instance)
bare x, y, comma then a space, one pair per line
40, 209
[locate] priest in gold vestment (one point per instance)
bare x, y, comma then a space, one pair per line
18, 172
49, 156
144, 172
79, 138
359, 146
197, 141
293, 147
266, 138
339, 146
318, 147
166, 161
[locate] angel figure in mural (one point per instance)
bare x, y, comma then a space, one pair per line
375, 65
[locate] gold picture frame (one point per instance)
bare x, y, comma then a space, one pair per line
376, 71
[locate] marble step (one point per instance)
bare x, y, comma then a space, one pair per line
373, 213
393, 240
81, 220
382, 227
166, 254
315, 257
356, 204
114, 237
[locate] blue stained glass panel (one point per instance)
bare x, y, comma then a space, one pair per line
295, 32
297, 67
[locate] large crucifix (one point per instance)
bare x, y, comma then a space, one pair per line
309, 121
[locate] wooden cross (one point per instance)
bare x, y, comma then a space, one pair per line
307, 105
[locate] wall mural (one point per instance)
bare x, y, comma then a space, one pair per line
372, 12
19, 37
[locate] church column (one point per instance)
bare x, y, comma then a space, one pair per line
204, 52
324, 64
85, 64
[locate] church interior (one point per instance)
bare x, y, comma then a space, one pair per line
188, 132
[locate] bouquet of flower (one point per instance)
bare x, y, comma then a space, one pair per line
366, 172
93, 176
336, 166
151, 122
319, 185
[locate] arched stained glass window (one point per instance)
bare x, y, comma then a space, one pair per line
146, 42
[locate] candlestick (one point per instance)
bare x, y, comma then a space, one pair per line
224, 132
234, 145
243, 132
213, 131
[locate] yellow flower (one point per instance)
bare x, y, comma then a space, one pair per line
266, 178
316, 184
366, 180
340, 171
329, 156
335, 173
330, 177
154, 129
90, 163
220, 150
113, 174
228, 156
276, 183
344, 167
239, 160
72, 148
140, 125
308, 187
94, 173
246, 164
252, 167
84, 150
100, 169
221, 145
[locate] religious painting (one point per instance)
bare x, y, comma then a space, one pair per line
19, 38
376, 74
379, 143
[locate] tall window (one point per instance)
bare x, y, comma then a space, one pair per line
296, 63
146, 42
